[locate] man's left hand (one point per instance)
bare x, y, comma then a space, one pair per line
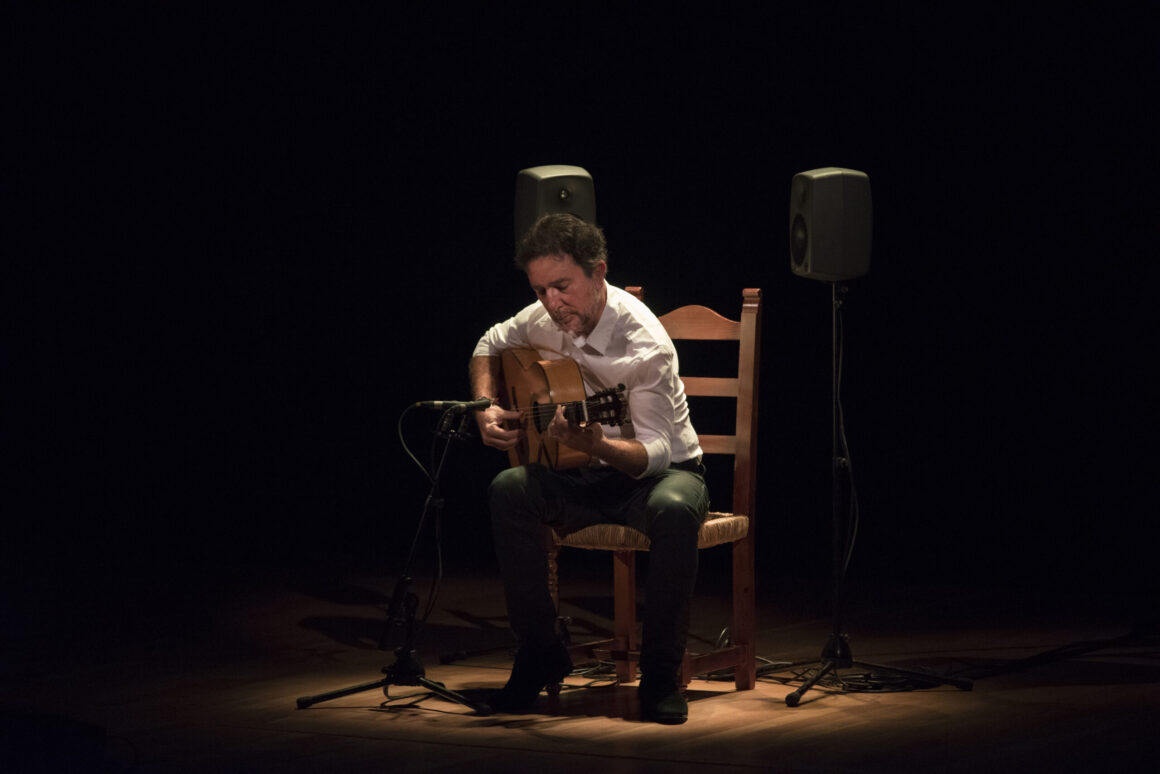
572, 435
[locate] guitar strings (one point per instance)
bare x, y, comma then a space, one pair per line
542, 411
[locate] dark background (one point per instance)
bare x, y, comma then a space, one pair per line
260, 237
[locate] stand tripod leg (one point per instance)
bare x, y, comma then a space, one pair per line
440, 690
307, 701
795, 698
958, 682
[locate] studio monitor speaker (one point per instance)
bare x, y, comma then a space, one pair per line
829, 224
555, 188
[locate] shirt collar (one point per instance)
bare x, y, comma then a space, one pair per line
601, 335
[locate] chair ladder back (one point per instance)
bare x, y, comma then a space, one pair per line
699, 323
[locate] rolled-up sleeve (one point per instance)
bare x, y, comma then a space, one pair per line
650, 402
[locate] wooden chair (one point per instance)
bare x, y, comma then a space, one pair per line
736, 528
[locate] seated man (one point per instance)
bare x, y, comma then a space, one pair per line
645, 474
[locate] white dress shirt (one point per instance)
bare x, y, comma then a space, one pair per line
629, 346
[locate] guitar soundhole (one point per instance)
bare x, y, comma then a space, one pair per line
542, 416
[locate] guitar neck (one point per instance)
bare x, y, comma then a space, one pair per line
605, 407
574, 410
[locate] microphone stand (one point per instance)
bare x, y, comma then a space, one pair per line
407, 670
836, 653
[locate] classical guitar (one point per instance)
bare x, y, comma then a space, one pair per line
536, 387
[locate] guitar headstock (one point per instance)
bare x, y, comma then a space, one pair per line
607, 406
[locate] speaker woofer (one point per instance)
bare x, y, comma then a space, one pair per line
799, 241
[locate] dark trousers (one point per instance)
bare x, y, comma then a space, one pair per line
669, 508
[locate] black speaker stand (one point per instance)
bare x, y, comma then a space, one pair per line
836, 653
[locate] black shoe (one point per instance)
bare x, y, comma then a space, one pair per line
661, 701
533, 670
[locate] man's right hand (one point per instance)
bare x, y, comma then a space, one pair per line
492, 431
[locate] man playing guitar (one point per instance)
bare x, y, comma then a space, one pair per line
644, 473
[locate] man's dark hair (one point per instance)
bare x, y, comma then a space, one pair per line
563, 234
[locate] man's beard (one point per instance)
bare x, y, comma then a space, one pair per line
560, 320
583, 321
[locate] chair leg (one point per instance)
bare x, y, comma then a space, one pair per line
685, 675
624, 628
744, 614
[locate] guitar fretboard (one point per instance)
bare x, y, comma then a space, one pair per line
605, 407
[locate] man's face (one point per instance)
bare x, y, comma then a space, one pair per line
573, 299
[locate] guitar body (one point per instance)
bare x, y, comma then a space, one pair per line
537, 388
534, 385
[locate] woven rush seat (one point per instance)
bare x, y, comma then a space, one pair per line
718, 529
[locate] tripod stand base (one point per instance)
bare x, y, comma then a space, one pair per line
407, 670
831, 665
436, 688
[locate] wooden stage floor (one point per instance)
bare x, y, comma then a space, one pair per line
208, 683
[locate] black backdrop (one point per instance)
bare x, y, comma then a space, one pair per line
262, 236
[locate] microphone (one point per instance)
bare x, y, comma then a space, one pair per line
455, 405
